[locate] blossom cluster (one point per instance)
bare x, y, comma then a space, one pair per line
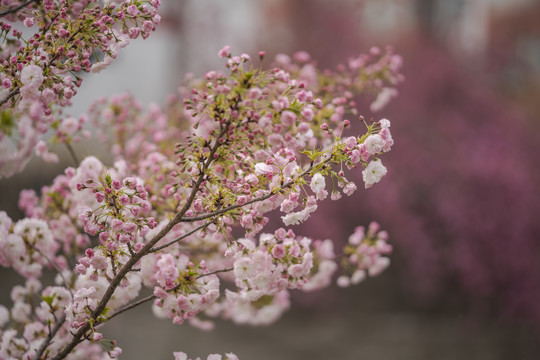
364, 254
223, 154
40, 75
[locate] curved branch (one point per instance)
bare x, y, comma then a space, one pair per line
9, 96
17, 8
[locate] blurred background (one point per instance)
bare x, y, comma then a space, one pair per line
461, 200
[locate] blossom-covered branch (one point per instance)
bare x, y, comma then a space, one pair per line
39, 74
224, 152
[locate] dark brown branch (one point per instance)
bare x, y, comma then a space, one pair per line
9, 96
17, 8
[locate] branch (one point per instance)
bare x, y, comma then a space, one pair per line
232, 207
177, 239
50, 336
17, 8
131, 306
73, 155
9, 96
214, 272
115, 282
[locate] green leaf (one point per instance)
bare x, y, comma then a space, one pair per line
48, 299
107, 345
108, 179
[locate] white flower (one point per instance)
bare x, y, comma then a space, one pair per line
4, 315
385, 123
263, 169
83, 293
358, 276
21, 312
32, 76
244, 268
180, 355
383, 98
380, 264
318, 183
374, 144
294, 218
373, 173
343, 281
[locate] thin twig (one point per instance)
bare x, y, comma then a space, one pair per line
73, 155
178, 239
130, 306
214, 272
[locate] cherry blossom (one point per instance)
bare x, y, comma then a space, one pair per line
163, 217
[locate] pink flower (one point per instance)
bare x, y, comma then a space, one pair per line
69, 125
246, 221
241, 200
351, 142
355, 156
349, 188
29, 22
278, 251
288, 118
100, 197
117, 224
307, 114
198, 205
287, 205
225, 52
132, 10
123, 200
167, 271
130, 227
134, 33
